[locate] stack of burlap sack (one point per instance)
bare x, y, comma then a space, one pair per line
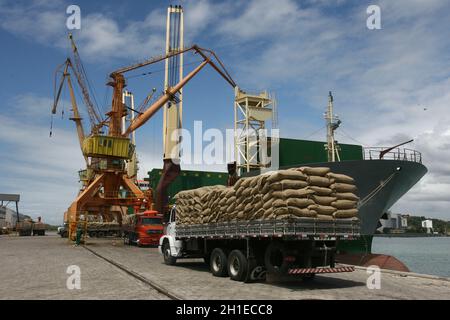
293, 193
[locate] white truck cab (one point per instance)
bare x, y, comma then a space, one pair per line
169, 246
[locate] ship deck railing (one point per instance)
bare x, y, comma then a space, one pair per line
401, 154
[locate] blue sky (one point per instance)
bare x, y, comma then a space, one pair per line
383, 80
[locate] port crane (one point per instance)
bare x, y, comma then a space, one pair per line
108, 184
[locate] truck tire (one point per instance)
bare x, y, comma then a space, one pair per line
237, 265
100, 234
168, 259
275, 258
218, 264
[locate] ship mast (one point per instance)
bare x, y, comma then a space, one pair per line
333, 123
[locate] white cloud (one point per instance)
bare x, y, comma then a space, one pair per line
38, 20
42, 170
101, 36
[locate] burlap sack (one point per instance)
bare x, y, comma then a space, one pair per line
319, 181
238, 184
302, 212
259, 214
279, 203
239, 191
347, 196
284, 194
231, 200
264, 188
246, 183
268, 214
323, 200
268, 204
246, 192
341, 178
286, 174
262, 182
343, 187
346, 213
267, 196
344, 204
321, 191
248, 208
325, 210
253, 182
318, 171
246, 200
281, 210
257, 205
290, 193
288, 184
240, 207
299, 202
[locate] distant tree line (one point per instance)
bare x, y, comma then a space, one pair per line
415, 225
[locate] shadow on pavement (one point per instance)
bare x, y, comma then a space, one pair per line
288, 282
320, 282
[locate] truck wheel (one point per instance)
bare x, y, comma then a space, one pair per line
100, 234
275, 258
168, 259
218, 263
237, 265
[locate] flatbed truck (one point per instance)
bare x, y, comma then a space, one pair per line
249, 250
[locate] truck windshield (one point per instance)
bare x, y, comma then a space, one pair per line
149, 221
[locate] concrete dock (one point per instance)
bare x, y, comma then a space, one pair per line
36, 268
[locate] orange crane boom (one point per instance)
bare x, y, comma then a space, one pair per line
118, 84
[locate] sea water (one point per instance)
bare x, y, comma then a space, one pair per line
427, 255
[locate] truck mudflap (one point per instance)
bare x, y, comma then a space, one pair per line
320, 270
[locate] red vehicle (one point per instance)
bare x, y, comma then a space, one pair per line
143, 229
